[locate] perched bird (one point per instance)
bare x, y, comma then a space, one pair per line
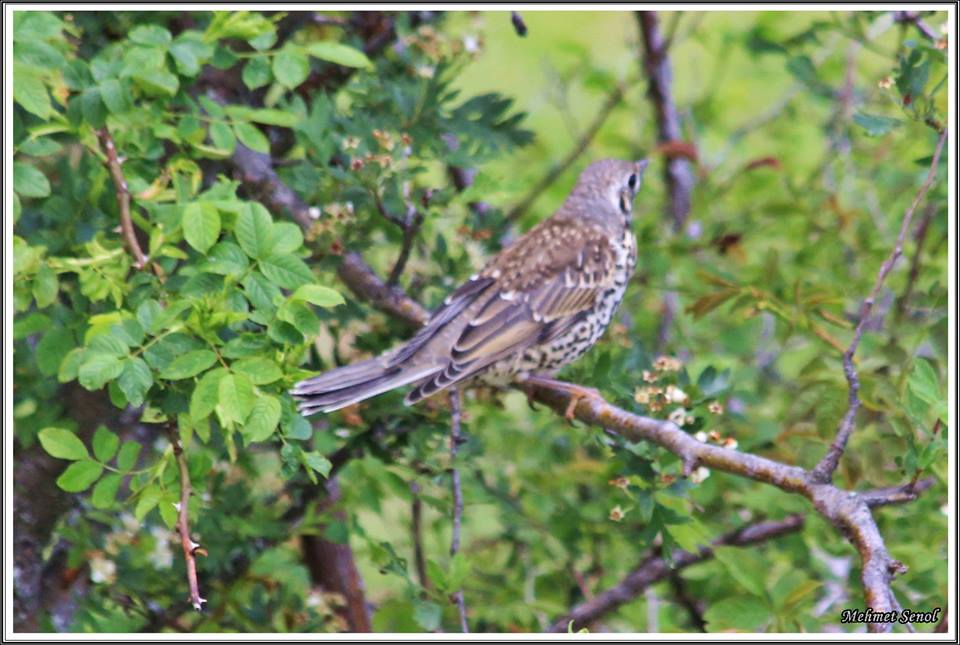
538, 305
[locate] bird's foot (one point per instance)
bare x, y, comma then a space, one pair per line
575, 392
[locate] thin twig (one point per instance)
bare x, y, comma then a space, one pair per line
913, 18
655, 568
140, 259
190, 548
691, 605
823, 472
677, 171
411, 226
920, 237
416, 528
455, 439
610, 103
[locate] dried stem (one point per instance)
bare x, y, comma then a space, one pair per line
823, 472
455, 439
190, 548
655, 568
611, 102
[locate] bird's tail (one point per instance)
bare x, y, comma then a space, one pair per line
350, 384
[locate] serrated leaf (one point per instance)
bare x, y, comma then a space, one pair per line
206, 394
263, 419
251, 137
260, 370
339, 54
150, 35
189, 364
97, 370
427, 614
235, 398
46, 286
135, 380
256, 73
79, 476
744, 567
254, 231
127, 457
158, 82
62, 444
318, 295
30, 91
291, 66
52, 348
105, 444
876, 126
149, 497
201, 225
222, 137
29, 181
105, 492
286, 271
737, 613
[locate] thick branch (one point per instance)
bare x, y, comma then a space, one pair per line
611, 102
823, 472
654, 569
677, 171
455, 440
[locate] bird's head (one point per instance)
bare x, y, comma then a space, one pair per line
606, 189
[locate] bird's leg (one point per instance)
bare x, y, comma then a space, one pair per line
575, 392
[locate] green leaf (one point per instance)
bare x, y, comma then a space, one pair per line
149, 497
201, 225
79, 476
157, 82
206, 394
135, 380
222, 136
151, 35
105, 492
189, 54
260, 370
30, 91
52, 349
286, 238
28, 181
291, 66
876, 126
236, 398
301, 316
105, 444
317, 295
263, 419
127, 457
737, 613
254, 231
745, 567
92, 107
256, 73
251, 137
189, 364
46, 286
115, 96
339, 54
286, 271
99, 369
427, 614
62, 444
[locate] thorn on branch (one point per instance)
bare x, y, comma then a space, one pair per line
190, 548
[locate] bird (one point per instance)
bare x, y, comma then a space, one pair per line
537, 306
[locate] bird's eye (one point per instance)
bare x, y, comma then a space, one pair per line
632, 182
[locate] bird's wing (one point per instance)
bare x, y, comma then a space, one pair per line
532, 293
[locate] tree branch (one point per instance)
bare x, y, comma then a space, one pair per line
113, 163
455, 440
654, 569
416, 528
677, 171
190, 548
611, 102
823, 472
920, 237
913, 18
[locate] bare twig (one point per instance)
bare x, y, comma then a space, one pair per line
416, 527
190, 548
920, 238
610, 103
140, 259
411, 226
691, 605
896, 494
455, 440
677, 171
823, 472
655, 568
518, 24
